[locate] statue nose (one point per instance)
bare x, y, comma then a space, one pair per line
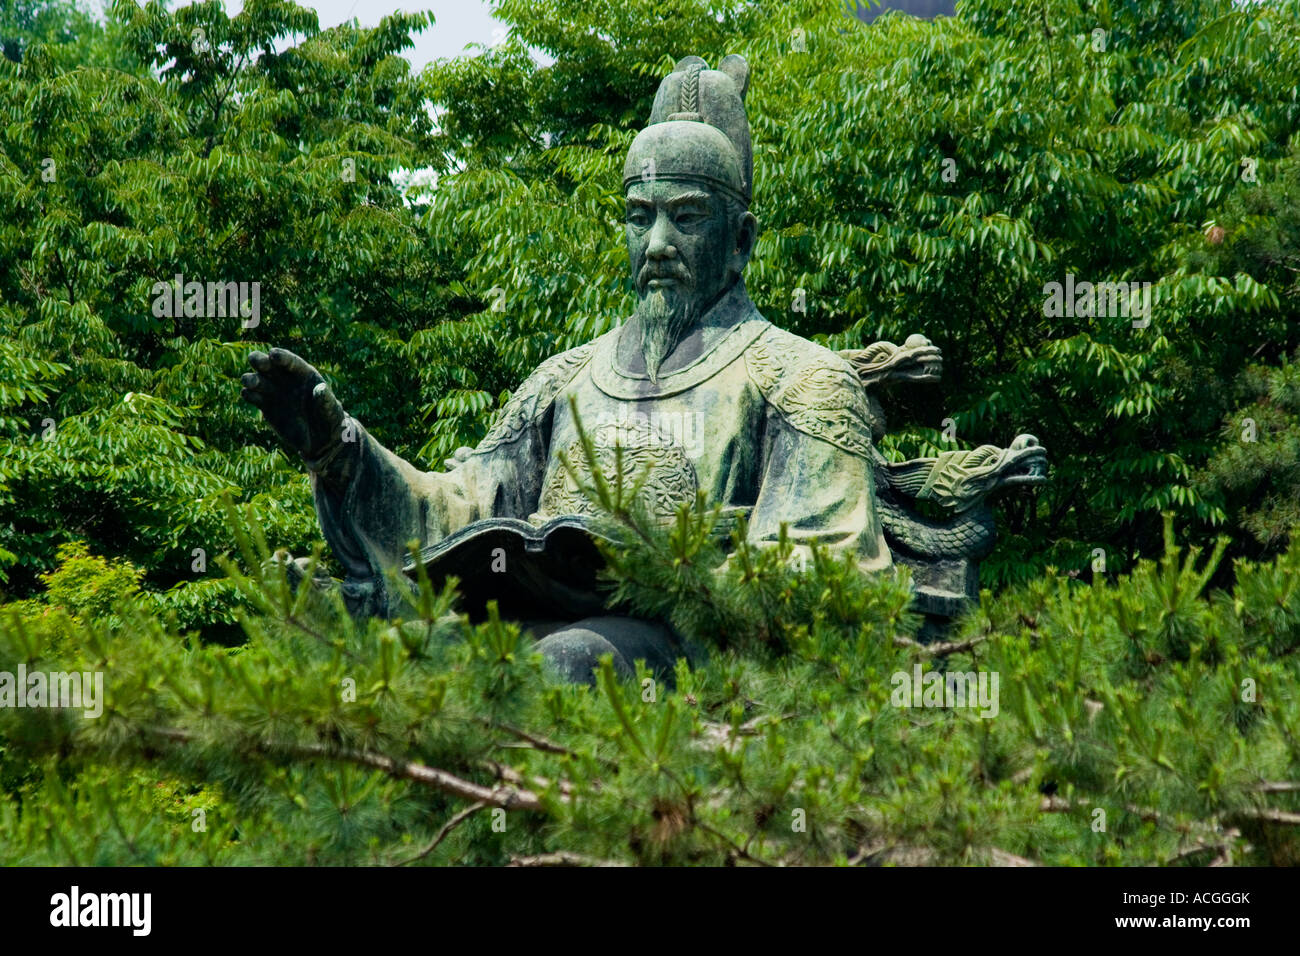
661, 245
661, 248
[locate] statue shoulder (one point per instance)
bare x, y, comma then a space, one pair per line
558, 371
816, 391
531, 399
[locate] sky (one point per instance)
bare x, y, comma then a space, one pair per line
458, 22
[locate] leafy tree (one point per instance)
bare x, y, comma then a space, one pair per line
67, 31
1255, 472
115, 183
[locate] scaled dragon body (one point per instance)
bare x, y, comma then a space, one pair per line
943, 552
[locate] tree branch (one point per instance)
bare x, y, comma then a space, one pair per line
939, 649
446, 828
507, 798
561, 858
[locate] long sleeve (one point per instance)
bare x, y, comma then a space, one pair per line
387, 503
821, 493
372, 504
816, 472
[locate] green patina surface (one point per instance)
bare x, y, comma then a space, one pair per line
695, 392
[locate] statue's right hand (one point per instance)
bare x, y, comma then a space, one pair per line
295, 401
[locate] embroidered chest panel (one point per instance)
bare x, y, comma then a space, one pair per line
647, 463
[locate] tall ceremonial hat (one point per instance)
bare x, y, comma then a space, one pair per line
698, 131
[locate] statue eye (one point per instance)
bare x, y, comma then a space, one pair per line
638, 217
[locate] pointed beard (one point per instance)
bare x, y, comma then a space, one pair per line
665, 314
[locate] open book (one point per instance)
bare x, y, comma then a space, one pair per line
532, 572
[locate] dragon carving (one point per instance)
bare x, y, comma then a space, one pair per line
943, 552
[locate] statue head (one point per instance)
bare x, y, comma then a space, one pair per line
688, 181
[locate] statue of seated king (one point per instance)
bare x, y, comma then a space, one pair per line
695, 391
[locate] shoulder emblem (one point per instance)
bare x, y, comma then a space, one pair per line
531, 399
815, 390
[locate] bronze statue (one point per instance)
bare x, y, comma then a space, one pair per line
697, 389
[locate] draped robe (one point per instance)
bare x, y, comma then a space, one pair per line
767, 424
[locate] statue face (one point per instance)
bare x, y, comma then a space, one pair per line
686, 245
678, 241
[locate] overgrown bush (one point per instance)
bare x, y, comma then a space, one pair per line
1143, 721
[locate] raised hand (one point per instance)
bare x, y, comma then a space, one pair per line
295, 401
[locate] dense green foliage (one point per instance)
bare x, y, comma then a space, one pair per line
122, 427
1170, 711
911, 176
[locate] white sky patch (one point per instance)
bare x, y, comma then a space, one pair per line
458, 22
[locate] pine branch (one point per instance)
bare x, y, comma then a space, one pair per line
1266, 815
536, 742
910, 855
507, 798
1221, 848
512, 776
455, 821
561, 858
1278, 786
739, 851
940, 649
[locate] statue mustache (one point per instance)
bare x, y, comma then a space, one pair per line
650, 271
